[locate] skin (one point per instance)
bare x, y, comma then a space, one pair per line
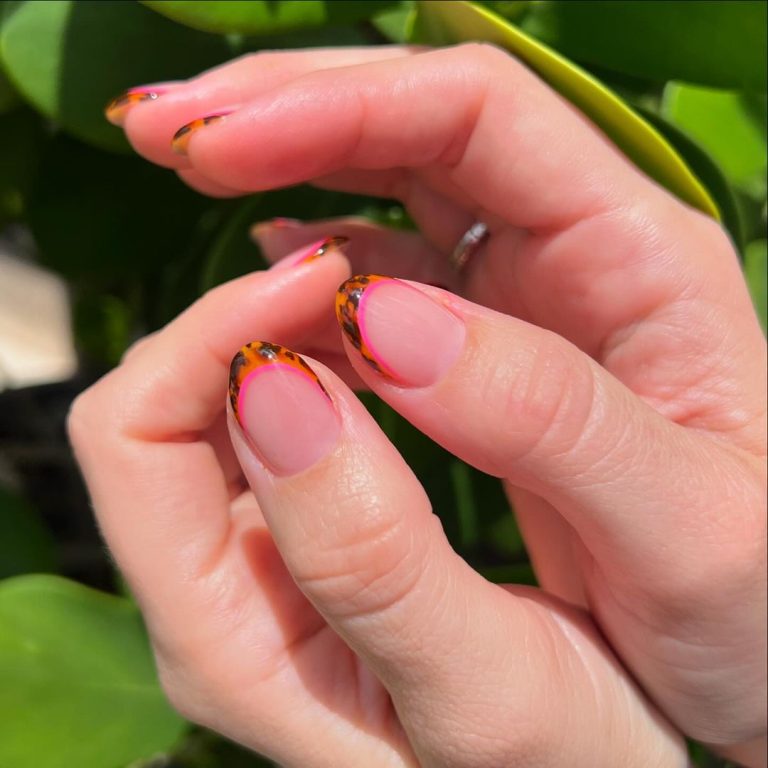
613, 375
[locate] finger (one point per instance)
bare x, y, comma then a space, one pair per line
441, 218
479, 112
522, 403
205, 186
372, 248
150, 123
356, 531
148, 419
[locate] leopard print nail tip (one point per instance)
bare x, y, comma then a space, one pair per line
255, 356
180, 140
350, 300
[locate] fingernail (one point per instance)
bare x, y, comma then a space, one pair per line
180, 140
118, 108
400, 331
282, 407
312, 252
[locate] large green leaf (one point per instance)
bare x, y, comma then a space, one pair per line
755, 269
77, 681
258, 17
727, 125
26, 545
452, 21
712, 42
69, 58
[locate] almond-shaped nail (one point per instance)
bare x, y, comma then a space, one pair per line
312, 252
400, 331
180, 140
282, 407
118, 108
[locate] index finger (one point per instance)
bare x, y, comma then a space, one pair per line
158, 490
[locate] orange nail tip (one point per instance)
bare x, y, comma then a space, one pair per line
118, 108
181, 139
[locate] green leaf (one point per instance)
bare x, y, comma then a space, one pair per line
712, 42
707, 170
451, 21
258, 17
396, 23
79, 686
69, 58
726, 125
755, 270
26, 545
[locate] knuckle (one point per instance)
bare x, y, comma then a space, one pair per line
544, 395
369, 568
484, 55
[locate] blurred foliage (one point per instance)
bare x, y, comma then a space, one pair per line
679, 86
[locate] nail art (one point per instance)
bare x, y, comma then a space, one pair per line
350, 298
321, 248
180, 140
256, 356
118, 108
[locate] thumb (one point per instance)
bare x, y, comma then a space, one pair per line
454, 651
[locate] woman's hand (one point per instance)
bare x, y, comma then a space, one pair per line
620, 395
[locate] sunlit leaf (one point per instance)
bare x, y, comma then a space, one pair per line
452, 21
727, 126
258, 17
79, 686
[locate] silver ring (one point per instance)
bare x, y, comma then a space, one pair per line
470, 243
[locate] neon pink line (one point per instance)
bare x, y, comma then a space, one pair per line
261, 369
361, 324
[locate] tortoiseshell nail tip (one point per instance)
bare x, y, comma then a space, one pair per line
118, 108
350, 299
325, 246
180, 140
255, 357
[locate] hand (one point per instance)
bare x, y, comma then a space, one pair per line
619, 395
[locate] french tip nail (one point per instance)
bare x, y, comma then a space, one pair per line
257, 354
348, 297
117, 108
282, 407
401, 332
182, 137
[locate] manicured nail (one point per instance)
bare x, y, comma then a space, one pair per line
180, 140
312, 252
282, 407
400, 331
118, 108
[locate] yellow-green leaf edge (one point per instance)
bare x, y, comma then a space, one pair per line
453, 21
